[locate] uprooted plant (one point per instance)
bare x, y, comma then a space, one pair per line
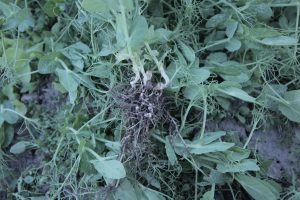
122, 99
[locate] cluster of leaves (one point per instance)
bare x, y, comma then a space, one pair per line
203, 56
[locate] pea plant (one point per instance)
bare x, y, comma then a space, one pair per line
124, 99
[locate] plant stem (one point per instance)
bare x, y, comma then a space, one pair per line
251, 133
296, 31
204, 118
196, 184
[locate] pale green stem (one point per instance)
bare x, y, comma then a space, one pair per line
296, 30
160, 66
251, 133
204, 118
19, 114
214, 44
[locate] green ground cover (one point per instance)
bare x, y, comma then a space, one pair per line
149, 99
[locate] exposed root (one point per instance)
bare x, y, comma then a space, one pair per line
144, 108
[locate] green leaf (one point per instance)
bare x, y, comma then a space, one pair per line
47, 64
122, 39
233, 71
209, 195
216, 20
219, 57
8, 90
212, 136
279, 41
268, 90
159, 36
6, 9
100, 6
51, 8
263, 11
198, 75
198, 147
152, 195
262, 32
139, 31
236, 154
9, 115
257, 188
126, 191
194, 92
170, 152
187, 51
19, 107
100, 70
68, 81
105, 6
18, 59
243, 166
19, 147
231, 28
21, 19
216, 177
77, 53
233, 45
72, 96
112, 169
292, 109
238, 93
208, 148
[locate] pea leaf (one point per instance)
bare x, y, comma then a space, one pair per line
100, 6
208, 148
187, 51
257, 188
263, 11
243, 166
51, 7
126, 191
77, 53
19, 18
279, 41
209, 195
170, 152
18, 59
100, 70
212, 136
238, 93
112, 169
194, 92
47, 63
150, 194
197, 147
12, 111
68, 81
233, 45
216, 20
198, 75
139, 31
9, 135
216, 57
236, 154
292, 109
231, 28
19, 147
105, 6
